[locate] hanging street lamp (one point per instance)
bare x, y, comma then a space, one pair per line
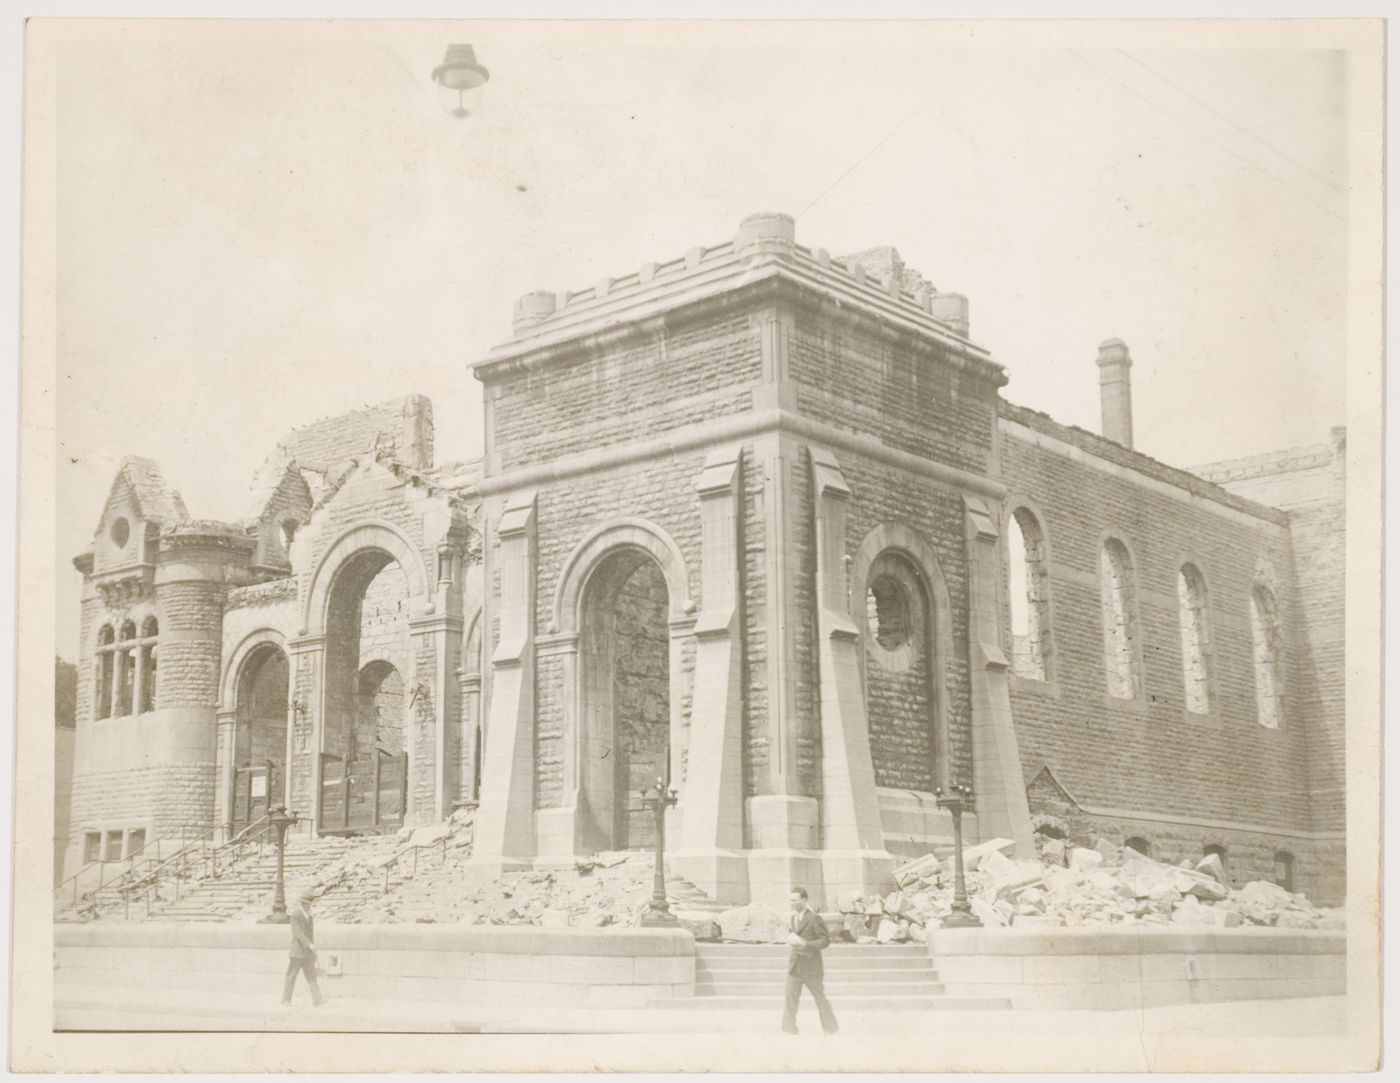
461, 81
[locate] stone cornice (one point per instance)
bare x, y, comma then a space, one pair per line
727, 429
802, 283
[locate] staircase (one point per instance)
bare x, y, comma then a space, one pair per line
246, 889
859, 978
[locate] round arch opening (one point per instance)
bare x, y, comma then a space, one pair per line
260, 734
625, 697
363, 772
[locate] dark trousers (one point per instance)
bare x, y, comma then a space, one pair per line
308, 967
813, 982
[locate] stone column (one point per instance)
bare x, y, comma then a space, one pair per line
999, 790
853, 843
225, 729
307, 656
712, 799
505, 828
782, 819
440, 642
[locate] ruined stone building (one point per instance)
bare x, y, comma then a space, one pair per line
758, 522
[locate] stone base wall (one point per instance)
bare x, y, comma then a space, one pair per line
1137, 968
576, 968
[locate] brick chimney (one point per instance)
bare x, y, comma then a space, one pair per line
1115, 392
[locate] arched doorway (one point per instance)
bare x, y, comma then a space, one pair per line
260, 734
625, 686
364, 748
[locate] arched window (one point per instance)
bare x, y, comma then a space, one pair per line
1283, 870
1029, 597
102, 693
126, 669
1119, 625
1264, 621
1141, 845
150, 630
1195, 638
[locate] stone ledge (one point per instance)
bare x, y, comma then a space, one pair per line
502, 940
1134, 941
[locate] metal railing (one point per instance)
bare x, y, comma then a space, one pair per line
145, 869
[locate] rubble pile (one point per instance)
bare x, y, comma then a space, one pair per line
1070, 886
608, 889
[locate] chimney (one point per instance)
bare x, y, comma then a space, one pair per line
1115, 393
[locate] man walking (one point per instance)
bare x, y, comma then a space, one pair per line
303, 954
807, 939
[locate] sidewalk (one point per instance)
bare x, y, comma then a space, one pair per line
111, 1009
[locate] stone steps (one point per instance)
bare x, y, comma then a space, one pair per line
858, 978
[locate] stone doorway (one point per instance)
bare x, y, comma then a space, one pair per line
626, 698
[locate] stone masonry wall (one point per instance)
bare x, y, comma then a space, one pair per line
660, 491
687, 376
1151, 753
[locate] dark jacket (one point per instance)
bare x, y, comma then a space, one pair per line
303, 935
807, 960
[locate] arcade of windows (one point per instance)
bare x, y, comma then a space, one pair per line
125, 676
1029, 598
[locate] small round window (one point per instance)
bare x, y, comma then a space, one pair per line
887, 612
121, 531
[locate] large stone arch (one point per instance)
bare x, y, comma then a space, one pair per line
900, 539
588, 556
228, 684
231, 716
374, 534
588, 575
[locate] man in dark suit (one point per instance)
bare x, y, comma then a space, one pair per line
807, 938
303, 955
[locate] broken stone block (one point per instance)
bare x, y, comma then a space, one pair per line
893, 903
551, 918
886, 931
1108, 851
989, 914
753, 924
1082, 860
703, 929
917, 934
1212, 866
1296, 919
848, 902
1053, 850
865, 940
856, 926
972, 855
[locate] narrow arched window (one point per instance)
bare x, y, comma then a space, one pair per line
1119, 625
126, 670
1141, 845
102, 693
146, 666
1264, 621
1195, 638
1029, 597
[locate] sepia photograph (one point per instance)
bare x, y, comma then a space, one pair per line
730, 545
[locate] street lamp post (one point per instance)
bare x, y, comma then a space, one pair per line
658, 912
954, 800
280, 820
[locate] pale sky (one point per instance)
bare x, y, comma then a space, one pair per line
265, 224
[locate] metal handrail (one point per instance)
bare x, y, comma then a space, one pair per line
129, 861
127, 880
